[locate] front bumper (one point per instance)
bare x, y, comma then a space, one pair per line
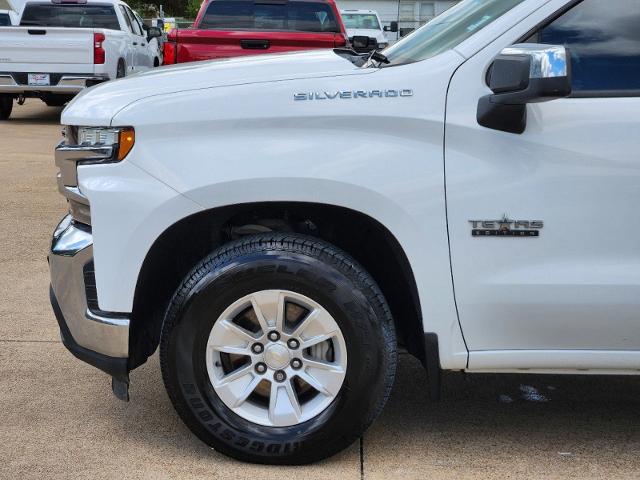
65, 84
96, 337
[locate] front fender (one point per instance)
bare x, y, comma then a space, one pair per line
378, 155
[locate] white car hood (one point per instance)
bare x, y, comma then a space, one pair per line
99, 104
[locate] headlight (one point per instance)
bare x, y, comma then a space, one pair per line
383, 45
122, 139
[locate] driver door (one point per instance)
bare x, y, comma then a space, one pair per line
571, 293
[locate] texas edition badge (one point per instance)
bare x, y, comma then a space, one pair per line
506, 228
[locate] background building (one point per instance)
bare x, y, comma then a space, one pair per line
410, 14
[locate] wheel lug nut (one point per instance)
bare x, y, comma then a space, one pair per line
274, 336
257, 348
280, 376
293, 343
296, 363
261, 368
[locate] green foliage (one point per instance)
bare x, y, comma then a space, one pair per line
192, 8
172, 8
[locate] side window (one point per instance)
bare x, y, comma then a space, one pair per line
137, 29
604, 41
127, 20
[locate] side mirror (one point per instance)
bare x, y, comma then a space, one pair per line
153, 32
393, 27
360, 42
521, 74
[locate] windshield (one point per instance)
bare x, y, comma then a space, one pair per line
360, 21
253, 15
70, 16
448, 30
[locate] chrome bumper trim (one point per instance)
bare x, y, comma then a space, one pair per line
68, 84
71, 250
67, 159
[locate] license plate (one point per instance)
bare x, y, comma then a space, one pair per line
39, 79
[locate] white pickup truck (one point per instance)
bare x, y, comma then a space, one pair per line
279, 247
364, 29
64, 46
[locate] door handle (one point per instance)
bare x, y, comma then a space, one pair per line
143, 44
255, 44
135, 43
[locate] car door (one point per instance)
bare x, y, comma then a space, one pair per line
137, 40
573, 178
130, 41
145, 56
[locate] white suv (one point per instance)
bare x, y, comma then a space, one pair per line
278, 246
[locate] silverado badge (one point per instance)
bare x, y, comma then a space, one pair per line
506, 227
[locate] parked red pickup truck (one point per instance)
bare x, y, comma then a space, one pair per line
231, 28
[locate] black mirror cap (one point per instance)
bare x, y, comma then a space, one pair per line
509, 73
505, 118
393, 27
359, 42
154, 32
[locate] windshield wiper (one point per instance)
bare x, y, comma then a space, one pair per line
379, 57
361, 59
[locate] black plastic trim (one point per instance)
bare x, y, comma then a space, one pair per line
116, 367
432, 365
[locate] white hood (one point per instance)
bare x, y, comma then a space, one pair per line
102, 102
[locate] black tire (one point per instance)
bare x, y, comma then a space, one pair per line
121, 70
290, 262
6, 106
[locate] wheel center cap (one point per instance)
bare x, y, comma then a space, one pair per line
276, 356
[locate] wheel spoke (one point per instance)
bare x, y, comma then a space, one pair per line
230, 350
231, 338
268, 306
284, 408
235, 388
332, 367
310, 342
325, 380
248, 390
236, 375
316, 322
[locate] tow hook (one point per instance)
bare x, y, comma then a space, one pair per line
21, 99
120, 387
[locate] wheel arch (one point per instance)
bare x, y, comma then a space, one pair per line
178, 249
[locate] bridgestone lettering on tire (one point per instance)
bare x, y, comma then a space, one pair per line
278, 349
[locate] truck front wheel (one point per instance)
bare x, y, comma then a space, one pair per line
278, 349
6, 106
